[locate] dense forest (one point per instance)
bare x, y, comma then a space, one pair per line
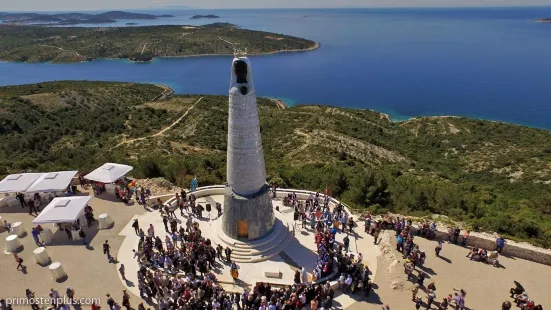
492, 176
73, 44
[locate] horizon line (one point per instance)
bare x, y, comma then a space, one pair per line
290, 8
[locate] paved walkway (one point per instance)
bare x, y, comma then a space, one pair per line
487, 287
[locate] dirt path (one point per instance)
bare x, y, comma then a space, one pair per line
59, 48
161, 131
143, 48
167, 93
303, 146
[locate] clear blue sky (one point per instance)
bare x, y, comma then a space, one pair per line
62, 5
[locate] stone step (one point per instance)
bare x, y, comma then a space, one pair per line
276, 236
258, 250
241, 251
265, 252
231, 287
275, 250
281, 235
239, 255
241, 259
233, 243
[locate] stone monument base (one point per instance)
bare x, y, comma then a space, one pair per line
248, 218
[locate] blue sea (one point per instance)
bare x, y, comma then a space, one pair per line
491, 63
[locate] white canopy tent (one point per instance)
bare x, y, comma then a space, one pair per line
109, 173
52, 182
18, 182
63, 210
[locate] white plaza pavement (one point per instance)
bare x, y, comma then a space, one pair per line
300, 251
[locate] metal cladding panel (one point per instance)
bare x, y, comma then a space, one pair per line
246, 172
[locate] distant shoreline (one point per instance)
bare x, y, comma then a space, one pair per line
312, 48
278, 102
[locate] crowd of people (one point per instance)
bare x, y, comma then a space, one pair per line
126, 189
482, 255
179, 269
520, 299
326, 224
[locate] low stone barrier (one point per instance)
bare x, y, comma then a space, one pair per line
170, 199
541, 256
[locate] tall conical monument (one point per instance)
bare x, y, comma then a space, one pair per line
248, 211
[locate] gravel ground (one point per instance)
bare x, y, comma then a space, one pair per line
89, 272
487, 287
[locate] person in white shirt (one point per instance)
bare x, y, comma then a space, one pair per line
347, 284
303, 275
37, 204
341, 281
137, 255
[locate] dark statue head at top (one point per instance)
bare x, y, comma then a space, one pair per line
240, 69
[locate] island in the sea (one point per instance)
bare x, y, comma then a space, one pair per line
543, 20
71, 18
204, 16
25, 43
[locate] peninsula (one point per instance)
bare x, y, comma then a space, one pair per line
76, 44
204, 16
71, 18
493, 176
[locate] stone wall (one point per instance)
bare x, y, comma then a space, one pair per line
515, 250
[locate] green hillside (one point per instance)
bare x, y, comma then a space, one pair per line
491, 175
72, 44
